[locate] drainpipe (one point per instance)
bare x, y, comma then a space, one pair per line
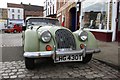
114, 17
77, 9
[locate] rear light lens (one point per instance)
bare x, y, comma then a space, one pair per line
49, 48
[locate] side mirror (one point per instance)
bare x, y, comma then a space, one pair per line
24, 28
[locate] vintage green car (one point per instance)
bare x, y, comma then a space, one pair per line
45, 38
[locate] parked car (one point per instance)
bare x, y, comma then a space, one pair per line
16, 28
45, 38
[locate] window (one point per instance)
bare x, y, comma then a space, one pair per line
48, 3
58, 3
12, 10
18, 11
18, 16
95, 16
13, 16
64, 1
53, 9
48, 11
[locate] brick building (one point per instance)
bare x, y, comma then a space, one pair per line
4, 13
29, 10
96, 16
32, 10
3, 18
68, 11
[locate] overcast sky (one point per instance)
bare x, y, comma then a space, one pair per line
3, 3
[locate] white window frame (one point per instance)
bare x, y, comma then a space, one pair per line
97, 30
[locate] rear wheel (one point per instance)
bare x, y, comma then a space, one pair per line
15, 31
29, 63
87, 58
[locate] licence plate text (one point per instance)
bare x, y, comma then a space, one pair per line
67, 58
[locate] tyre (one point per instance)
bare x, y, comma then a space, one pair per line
15, 31
29, 63
87, 58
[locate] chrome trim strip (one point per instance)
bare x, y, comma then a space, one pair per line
50, 53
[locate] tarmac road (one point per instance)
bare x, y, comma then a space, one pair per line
11, 47
12, 53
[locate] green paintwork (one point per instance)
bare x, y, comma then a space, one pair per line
33, 42
90, 43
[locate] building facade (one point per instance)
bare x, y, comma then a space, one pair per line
99, 17
15, 14
50, 8
4, 13
68, 12
32, 10
3, 18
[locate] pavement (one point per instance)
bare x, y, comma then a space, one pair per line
110, 53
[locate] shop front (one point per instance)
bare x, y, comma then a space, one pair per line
99, 17
12, 22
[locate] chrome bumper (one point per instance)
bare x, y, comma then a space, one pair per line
59, 52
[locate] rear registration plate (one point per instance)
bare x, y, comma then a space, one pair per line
68, 58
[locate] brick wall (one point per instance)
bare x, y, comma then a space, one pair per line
33, 13
65, 12
4, 14
29, 10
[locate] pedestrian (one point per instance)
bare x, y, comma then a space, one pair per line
63, 23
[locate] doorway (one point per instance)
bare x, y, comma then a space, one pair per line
72, 19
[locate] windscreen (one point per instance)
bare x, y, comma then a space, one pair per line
42, 21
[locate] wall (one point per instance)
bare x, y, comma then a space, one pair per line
4, 14
50, 8
15, 13
0, 13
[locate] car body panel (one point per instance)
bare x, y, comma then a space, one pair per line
44, 37
91, 43
18, 28
33, 39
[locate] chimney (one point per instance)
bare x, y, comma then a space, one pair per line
21, 3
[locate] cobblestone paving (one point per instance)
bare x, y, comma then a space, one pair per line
11, 39
94, 69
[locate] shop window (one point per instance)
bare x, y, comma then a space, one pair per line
95, 16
